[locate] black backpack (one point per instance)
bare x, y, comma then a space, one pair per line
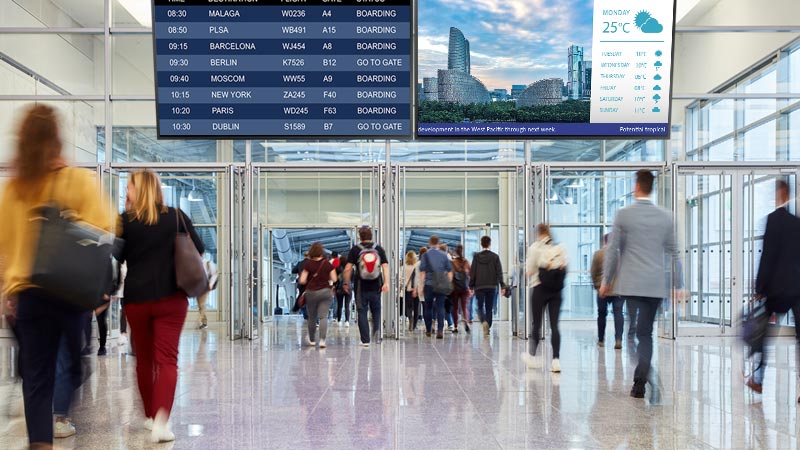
552, 279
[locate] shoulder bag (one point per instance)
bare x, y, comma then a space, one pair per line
72, 260
190, 271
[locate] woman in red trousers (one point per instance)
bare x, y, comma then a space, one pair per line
153, 303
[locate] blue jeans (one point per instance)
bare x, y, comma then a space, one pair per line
434, 304
648, 308
371, 300
67, 380
485, 299
602, 313
42, 320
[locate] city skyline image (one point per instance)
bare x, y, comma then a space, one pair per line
517, 42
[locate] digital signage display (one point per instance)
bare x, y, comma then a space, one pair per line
544, 69
283, 68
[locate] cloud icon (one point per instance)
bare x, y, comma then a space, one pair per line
647, 23
652, 26
656, 88
657, 77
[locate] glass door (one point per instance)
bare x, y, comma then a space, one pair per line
706, 201
296, 205
461, 205
580, 203
724, 213
208, 195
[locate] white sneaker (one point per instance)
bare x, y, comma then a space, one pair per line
148, 424
162, 432
123, 340
365, 344
322, 343
310, 343
556, 367
63, 429
347, 324
530, 361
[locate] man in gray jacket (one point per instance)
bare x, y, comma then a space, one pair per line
636, 261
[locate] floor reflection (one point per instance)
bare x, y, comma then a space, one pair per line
462, 392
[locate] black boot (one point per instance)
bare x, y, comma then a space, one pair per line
638, 389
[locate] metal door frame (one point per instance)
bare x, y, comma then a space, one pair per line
740, 244
521, 173
376, 202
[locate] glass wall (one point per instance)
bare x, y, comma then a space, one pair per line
757, 126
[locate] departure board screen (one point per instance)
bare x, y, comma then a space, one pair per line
283, 68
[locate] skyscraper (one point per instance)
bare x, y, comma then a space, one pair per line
542, 92
455, 84
517, 89
586, 77
575, 76
458, 51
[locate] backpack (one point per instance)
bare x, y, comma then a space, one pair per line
461, 279
369, 263
552, 279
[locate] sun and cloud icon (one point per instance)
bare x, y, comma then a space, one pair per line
647, 23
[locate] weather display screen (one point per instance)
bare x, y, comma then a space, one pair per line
548, 68
283, 68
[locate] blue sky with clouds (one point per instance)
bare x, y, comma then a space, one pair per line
511, 41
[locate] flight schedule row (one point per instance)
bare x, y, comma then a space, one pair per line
283, 68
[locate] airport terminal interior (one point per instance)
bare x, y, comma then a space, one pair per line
249, 381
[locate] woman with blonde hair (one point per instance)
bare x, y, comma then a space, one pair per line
411, 293
155, 306
41, 175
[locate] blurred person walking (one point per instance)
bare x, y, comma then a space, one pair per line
486, 274
42, 319
318, 276
343, 305
156, 307
461, 291
546, 268
602, 302
411, 291
778, 278
642, 241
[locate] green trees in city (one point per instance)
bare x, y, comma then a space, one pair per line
570, 111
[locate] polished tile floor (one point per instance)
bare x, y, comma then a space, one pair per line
464, 392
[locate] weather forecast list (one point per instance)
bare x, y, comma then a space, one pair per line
283, 68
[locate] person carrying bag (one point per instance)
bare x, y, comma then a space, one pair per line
46, 297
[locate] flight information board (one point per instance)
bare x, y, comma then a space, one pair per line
283, 68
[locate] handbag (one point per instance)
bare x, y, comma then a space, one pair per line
754, 327
190, 272
69, 256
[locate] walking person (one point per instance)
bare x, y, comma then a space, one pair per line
420, 289
318, 276
546, 268
213, 276
778, 278
41, 318
342, 297
461, 291
411, 292
602, 302
642, 241
486, 274
371, 279
156, 308
436, 274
